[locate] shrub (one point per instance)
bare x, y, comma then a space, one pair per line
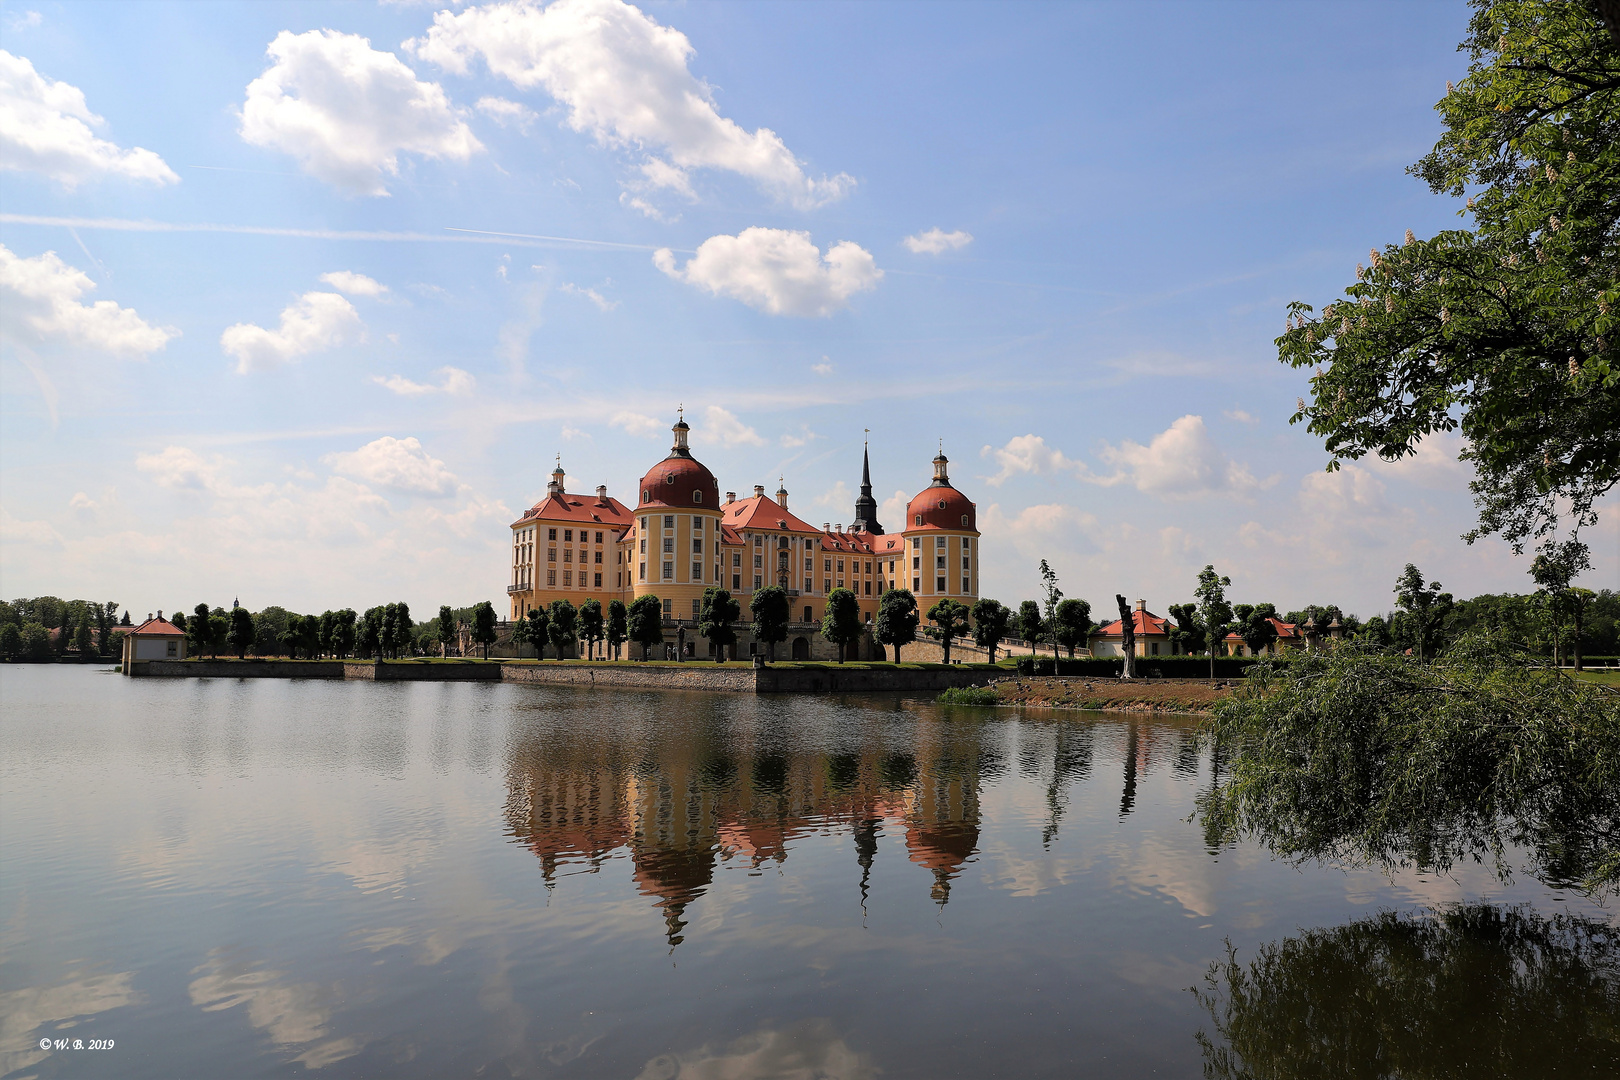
970, 695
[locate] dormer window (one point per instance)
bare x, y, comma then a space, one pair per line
697, 496
942, 504
669, 478
919, 519
964, 521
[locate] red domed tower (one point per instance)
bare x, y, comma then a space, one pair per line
676, 539
942, 542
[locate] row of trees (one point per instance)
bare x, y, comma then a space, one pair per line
85, 627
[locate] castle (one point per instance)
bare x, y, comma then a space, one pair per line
682, 539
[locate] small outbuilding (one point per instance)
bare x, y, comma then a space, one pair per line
154, 639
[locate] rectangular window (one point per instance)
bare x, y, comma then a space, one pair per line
697, 608
174, 649
736, 581
826, 585
598, 538
669, 543
669, 607
840, 566
916, 562
939, 541
568, 536
551, 554
641, 572
551, 534
736, 558
759, 562
826, 566
568, 578
758, 581
939, 561
568, 554
598, 558
868, 568
966, 564
697, 571
891, 566
669, 521
939, 585
916, 584
868, 588
669, 571
916, 541
697, 547
967, 543
697, 523
809, 566
598, 582
644, 545
551, 577
966, 590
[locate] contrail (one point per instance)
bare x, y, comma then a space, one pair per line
465, 236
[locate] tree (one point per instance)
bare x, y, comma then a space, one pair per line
1051, 595
447, 629
522, 635
897, 620
950, 621
990, 620
564, 628
716, 613
1188, 636
1071, 624
343, 632
125, 621
1425, 606
242, 632
328, 631
590, 625
484, 622
770, 608
36, 641
1127, 636
618, 630
11, 641
645, 622
1506, 331
1031, 627
1554, 568
1254, 625
290, 636
841, 620
83, 638
1375, 633
104, 619
1379, 758
537, 629
201, 628
403, 627
1213, 610
268, 625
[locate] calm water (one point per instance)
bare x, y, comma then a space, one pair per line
242, 879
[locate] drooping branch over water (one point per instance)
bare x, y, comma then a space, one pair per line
1376, 759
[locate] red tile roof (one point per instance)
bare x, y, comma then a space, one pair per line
1143, 622
158, 627
578, 510
1286, 631
764, 512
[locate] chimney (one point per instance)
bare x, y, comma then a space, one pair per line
731, 496
826, 526
840, 527
601, 494
759, 491
1141, 605
149, 615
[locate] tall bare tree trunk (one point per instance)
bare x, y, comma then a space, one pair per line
1127, 627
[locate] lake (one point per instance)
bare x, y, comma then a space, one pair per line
352, 879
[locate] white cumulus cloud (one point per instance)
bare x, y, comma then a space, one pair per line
400, 464
182, 469
455, 382
636, 423
45, 127
624, 80
936, 241
1181, 462
777, 271
506, 113
41, 305
1028, 454
316, 320
347, 281
347, 111
725, 428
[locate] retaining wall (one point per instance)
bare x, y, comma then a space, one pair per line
240, 669
691, 676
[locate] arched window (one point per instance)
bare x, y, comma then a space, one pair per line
919, 519
697, 496
964, 519
646, 496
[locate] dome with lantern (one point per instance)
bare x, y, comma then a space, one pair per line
680, 480
940, 506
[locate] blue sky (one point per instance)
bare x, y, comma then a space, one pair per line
1060, 237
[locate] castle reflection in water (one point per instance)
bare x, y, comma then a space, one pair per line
681, 800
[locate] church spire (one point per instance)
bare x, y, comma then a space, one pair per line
866, 519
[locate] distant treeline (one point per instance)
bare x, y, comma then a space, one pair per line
48, 627
386, 630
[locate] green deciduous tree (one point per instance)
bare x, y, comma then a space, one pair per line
563, 628
1031, 626
1213, 611
36, 641
897, 620
537, 631
1050, 596
242, 633
84, 638
990, 621
717, 613
841, 620
1254, 625
618, 628
950, 621
344, 632
1554, 569
770, 608
484, 630
645, 623
200, 627
1426, 609
591, 628
1071, 624
447, 629
11, 641
1382, 758
1188, 635
1506, 331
